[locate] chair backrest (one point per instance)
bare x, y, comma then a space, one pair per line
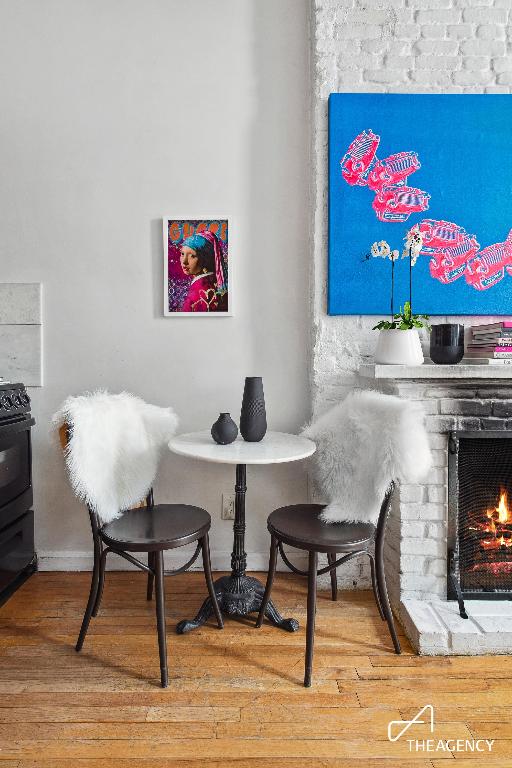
383, 515
363, 444
117, 441
64, 438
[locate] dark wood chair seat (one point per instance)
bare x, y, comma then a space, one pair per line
299, 525
163, 526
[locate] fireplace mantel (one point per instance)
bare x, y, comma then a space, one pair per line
462, 371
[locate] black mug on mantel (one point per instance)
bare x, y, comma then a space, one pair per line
447, 343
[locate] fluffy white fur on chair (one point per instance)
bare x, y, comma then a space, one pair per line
363, 444
114, 448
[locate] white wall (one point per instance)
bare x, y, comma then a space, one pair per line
113, 115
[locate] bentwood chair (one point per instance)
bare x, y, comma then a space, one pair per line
152, 529
299, 526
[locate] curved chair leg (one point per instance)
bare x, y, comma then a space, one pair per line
383, 593
310, 626
270, 580
93, 592
101, 582
376, 587
205, 546
334, 580
151, 576
160, 616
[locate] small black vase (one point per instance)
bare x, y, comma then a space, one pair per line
253, 418
224, 431
447, 343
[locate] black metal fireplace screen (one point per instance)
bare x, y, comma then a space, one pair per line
479, 516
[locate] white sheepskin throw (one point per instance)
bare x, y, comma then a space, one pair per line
363, 444
116, 442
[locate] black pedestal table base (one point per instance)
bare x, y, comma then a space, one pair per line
238, 594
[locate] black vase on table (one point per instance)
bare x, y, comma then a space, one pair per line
253, 418
447, 343
224, 431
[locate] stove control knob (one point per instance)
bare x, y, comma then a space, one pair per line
16, 400
7, 402
25, 399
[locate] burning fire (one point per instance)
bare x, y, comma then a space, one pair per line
500, 518
502, 509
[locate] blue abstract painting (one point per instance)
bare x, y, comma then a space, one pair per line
442, 163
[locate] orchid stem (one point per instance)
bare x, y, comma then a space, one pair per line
410, 278
392, 283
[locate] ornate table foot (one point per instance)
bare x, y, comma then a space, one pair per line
204, 613
273, 615
237, 596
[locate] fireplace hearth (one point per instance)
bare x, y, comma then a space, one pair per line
479, 516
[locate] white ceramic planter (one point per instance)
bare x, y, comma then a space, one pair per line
399, 348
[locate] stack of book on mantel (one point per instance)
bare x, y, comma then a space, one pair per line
490, 344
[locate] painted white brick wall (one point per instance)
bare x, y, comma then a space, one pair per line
395, 46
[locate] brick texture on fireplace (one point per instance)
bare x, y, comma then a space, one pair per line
416, 564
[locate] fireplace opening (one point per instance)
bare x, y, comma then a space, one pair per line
479, 516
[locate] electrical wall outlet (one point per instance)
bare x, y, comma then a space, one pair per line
228, 506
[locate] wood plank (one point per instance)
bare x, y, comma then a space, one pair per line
497, 714
457, 670
373, 730
156, 732
441, 692
208, 749
491, 730
100, 714
156, 696
309, 762
342, 717
488, 762
467, 762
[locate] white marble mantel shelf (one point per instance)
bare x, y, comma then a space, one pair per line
462, 371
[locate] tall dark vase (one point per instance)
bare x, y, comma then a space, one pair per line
253, 418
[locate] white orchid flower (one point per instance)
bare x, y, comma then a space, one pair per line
381, 249
413, 244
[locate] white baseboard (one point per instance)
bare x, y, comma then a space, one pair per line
350, 576
82, 561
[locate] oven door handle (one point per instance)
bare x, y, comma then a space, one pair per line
17, 426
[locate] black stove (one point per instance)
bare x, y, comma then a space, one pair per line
17, 556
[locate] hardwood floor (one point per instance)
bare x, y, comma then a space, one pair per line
235, 696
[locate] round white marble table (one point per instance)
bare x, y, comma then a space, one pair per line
239, 594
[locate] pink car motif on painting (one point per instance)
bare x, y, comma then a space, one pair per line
454, 253
449, 247
394, 200
448, 264
393, 170
397, 202
359, 158
441, 234
489, 265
